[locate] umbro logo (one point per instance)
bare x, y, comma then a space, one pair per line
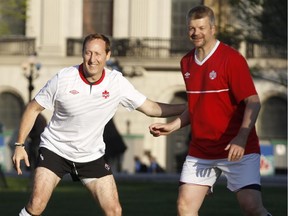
74, 92
107, 167
187, 75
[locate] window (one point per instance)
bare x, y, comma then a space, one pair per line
273, 118
11, 107
13, 17
177, 144
97, 16
179, 36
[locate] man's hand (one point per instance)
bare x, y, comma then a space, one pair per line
236, 149
159, 129
20, 154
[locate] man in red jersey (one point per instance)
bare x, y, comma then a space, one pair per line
223, 108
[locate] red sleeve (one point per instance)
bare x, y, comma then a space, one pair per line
240, 79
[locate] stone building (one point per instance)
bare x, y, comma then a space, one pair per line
149, 38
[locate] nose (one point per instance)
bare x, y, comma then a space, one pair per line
195, 31
93, 57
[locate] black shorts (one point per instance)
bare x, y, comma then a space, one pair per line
61, 166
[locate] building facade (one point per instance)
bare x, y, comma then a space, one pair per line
132, 23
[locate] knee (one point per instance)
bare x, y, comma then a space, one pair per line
113, 210
180, 205
253, 208
117, 211
36, 206
183, 208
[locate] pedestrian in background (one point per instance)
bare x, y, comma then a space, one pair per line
34, 140
115, 146
140, 167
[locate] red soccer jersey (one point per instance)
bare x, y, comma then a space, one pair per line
216, 88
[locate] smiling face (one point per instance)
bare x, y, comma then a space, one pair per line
201, 32
94, 59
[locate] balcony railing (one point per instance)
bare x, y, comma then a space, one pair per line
17, 46
138, 47
145, 47
155, 47
261, 49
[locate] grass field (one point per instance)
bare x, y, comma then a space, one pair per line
137, 199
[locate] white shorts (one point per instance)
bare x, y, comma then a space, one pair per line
239, 173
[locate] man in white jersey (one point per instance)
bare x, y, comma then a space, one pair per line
84, 98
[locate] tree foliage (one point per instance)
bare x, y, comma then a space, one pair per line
242, 22
264, 20
13, 17
274, 21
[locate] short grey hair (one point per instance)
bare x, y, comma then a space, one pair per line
200, 12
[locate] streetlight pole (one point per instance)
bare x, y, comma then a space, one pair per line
31, 72
30, 82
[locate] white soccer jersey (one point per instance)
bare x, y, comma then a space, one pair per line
81, 111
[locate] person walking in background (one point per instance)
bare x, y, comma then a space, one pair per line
140, 167
84, 98
3, 181
34, 140
154, 166
115, 146
223, 106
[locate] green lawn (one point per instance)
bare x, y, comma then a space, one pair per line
137, 199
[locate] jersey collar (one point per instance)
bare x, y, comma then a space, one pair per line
208, 56
81, 73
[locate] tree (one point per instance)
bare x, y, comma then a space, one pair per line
263, 20
274, 22
238, 22
13, 17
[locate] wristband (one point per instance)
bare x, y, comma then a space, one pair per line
19, 144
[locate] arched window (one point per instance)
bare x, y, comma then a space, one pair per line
11, 108
273, 118
177, 143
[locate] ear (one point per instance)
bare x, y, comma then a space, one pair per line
108, 55
214, 29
